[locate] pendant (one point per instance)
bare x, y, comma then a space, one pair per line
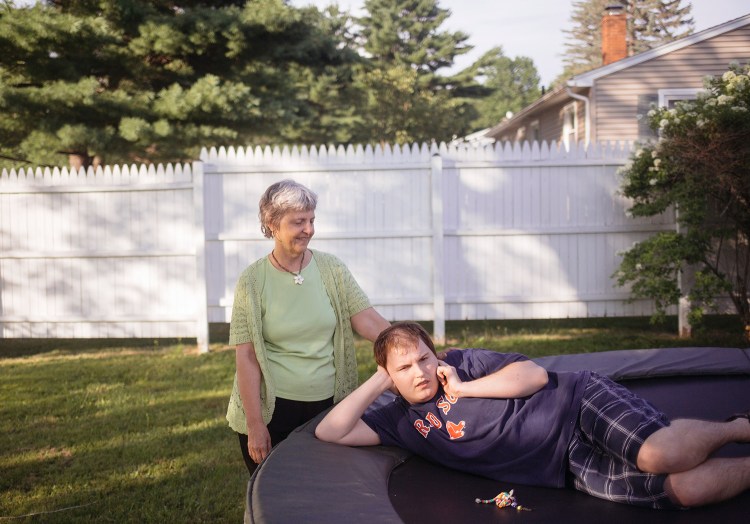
298, 279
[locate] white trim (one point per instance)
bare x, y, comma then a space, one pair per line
587, 115
685, 93
571, 108
535, 131
588, 79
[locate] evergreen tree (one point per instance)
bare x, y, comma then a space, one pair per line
397, 110
583, 49
514, 84
332, 98
657, 22
405, 96
651, 23
407, 32
147, 81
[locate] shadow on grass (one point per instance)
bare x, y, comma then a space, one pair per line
129, 438
218, 336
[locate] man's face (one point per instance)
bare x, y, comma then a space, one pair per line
413, 371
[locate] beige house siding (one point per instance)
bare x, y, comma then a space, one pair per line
616, 102
616, 98
550, 124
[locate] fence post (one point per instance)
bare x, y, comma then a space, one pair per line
438, 287
684, 284
201, 292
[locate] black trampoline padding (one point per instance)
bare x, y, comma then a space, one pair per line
306, 480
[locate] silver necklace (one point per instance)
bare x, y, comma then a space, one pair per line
298, 278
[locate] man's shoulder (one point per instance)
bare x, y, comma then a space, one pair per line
461, 354
478, 362
385, 411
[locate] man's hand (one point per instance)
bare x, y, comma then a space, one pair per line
516, 380
449, 379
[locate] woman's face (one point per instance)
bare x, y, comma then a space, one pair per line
294, 232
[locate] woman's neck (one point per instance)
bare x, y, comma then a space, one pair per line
289, 260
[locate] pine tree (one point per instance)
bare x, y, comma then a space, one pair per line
407, 32
583, 46
149, 81
406, 98
514, 84
656, 22
651, 23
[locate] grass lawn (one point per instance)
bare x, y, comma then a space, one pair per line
134, 431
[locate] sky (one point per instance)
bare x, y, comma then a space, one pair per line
532, 28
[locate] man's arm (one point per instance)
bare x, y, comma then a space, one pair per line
516, 380
344, 424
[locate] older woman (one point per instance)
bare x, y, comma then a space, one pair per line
292, 320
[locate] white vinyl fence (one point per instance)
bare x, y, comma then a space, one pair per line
430, 233
109, 254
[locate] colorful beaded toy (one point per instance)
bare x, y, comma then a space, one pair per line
503, 500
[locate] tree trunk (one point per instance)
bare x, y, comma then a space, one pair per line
79, 160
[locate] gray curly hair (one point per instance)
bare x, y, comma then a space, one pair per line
281, 198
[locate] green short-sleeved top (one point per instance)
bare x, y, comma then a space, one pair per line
346, 298
298, 326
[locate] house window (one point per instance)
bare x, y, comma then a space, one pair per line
663, 98
534, 135
668, 97
570, 125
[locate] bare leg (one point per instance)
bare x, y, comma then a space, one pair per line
712, 481
687, 443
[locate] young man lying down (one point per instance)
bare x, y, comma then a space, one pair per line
504, 417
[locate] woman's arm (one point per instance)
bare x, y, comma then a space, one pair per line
344, 424
516, 380
248, 380
368, 323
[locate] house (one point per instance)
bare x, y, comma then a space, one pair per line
610, 102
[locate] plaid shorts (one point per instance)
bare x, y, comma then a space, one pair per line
612, 426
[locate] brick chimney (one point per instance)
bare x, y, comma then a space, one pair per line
614, 34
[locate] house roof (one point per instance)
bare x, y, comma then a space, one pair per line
588, 79
555, 95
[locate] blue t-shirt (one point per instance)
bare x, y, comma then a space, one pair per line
521, 440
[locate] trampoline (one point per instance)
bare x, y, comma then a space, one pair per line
306, 480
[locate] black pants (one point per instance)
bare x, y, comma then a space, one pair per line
287, 416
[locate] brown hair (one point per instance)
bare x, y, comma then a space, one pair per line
398, 334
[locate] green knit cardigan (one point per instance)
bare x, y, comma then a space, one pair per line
347, 299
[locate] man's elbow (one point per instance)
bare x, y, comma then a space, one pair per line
323, 432
541, 377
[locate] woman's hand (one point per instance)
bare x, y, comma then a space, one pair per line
449, 379
258, 441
